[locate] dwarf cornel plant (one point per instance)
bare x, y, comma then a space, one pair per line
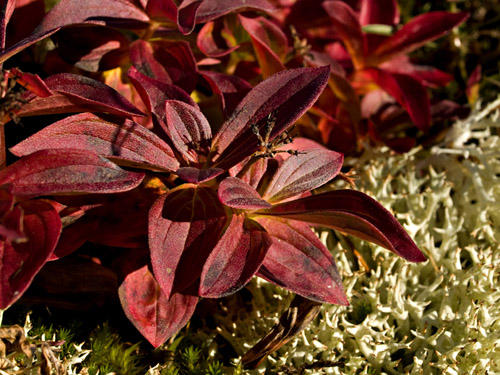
201, 206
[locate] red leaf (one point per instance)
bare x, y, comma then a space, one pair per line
420, 30
117, 13
154, 315
235, 259
269, 42
192, 12
236, 193
167, 61
384, 12
162, 9
287, 94
229, 89
122, 141
120, 13
11, 217
49, 172
76, 93
197, 176
215, 39
154, 93
31, 82
407, 91
298, 261
303, 173
348, 28
352, 212
184, 226
189, 131
20, 262
6, 10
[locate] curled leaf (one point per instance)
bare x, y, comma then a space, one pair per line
236, 193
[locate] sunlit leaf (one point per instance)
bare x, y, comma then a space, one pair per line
354, 213
236, 193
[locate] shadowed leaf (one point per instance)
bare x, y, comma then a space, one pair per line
154, 315
184, 226
235, 259
20, 262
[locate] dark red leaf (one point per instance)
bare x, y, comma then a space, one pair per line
117, 13
215, 39
298, 261
229, 89
184, 226
236, 193
171, 62
352, 212
20, 262
154, 315
76, 93
123, 141
269, 42
407, 91
11, 217
192, 12
235, 259
420, 30
197, 176
49, 172
189, 131
348, 28
303, 173
287, 94
381, 12
160, 9
25, 43
154, 93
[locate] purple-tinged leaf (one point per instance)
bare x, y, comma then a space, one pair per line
381, 12
6, 10
303, 173
171, 62
31, 82
407, 91
236, 193
192, 12
49, 172
115, 13
154, 93
235, 259
348, 28
197, 176
189, 131
354, 213
25, 43
287, 95
229, 89
11, 217
263, 167
76, 93
298, 261
123, 141
154, 315
20, 262
160, 9
141, 55
269, 42
416, 33
184, 226
215, 39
